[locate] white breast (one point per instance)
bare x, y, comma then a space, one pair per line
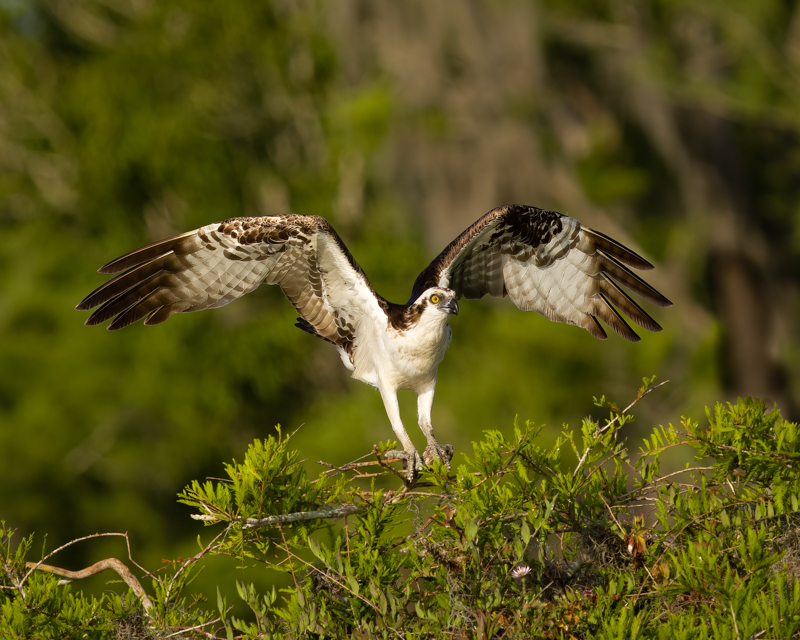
400, 359
415, 354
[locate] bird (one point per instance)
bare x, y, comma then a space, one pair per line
543, 260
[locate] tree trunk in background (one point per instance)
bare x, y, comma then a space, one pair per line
738, 264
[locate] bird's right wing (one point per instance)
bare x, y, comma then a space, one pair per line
212, 266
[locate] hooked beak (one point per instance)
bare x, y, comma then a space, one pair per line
451, 306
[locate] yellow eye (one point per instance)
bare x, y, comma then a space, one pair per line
434, 298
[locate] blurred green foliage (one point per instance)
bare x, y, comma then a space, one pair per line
124, 121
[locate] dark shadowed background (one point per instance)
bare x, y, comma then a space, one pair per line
671, 125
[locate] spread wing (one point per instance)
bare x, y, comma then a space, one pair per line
548, 263
212, 266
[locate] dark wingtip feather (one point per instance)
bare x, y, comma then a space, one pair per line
134, 313
660, 300
159, 315
115, 266
121, 263
618, 250
145, 254
627, 278
627, 306
93, 299
596, 330
615, 320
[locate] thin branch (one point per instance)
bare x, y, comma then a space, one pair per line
638, 398
33, 566
208, 518
196, 628
621, 528
415, 534
17, 584
650, 453
130, 557
502, 470
632, 404
330, 512
190, 561
291, 566
598, 467
98, 567
755, 452
735, 626
289, 437
361, 476
379, 455
333, 470
652, 485
334, 580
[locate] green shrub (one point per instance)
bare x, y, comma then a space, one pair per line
576, 540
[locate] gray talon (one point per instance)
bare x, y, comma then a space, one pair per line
411, 463
435, 450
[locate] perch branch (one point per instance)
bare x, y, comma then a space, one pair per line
339, 511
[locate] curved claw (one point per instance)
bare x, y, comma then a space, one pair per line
412, 463
435, 450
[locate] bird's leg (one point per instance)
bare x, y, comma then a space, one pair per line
434, 450
409, 455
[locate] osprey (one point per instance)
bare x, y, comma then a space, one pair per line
544, 261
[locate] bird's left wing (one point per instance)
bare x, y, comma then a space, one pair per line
549, 263
212, 266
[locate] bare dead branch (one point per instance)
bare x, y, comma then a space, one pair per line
33, 566
98, 567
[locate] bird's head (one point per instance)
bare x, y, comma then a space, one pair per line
439, 299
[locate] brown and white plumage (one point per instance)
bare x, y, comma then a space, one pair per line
214, 265
548, 263
542, 260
